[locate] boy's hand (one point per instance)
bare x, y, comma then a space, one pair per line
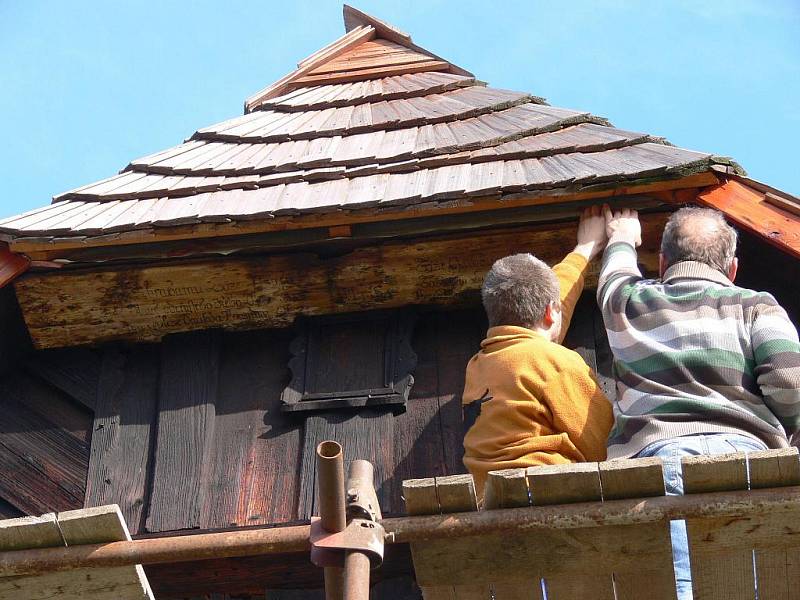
623, 226
591, 233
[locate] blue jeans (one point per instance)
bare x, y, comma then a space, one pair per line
671, 451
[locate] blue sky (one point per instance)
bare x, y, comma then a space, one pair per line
87, 86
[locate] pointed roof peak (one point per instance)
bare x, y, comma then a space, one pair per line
370, 49
355, 18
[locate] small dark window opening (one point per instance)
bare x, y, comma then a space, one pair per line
352, 360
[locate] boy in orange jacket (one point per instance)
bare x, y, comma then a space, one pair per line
527, 399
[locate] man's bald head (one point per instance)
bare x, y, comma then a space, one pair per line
699, 234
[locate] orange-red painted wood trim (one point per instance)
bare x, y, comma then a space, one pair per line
11, 265
747, 208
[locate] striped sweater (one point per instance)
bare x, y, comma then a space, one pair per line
694, 354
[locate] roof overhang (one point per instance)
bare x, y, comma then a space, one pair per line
186, 239
770, 214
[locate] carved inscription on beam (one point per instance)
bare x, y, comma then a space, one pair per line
145, 303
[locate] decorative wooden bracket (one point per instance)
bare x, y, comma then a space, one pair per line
359, 359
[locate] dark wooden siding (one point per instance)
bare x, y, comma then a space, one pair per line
764, 267
223, 453
44, 447
44, 431
188, 433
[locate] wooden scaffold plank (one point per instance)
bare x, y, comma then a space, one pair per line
641, 478
721, 568
576, 561
562, 484
72, 528
441, 495
777, 570
509, 489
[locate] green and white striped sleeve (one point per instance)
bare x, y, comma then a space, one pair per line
618, 268
777, 361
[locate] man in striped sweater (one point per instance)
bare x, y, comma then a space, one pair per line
702, 366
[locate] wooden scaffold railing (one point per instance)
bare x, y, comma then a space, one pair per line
609, 541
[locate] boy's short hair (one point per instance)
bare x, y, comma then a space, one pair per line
517, 290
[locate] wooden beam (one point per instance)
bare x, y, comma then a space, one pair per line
787, 205
322, 239
40, 248
147, 302
11, 265
751, 209
372, 73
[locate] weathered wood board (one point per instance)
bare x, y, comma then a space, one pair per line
441, 495
146, 303
184, 443
749, 556
124, 428
44, 446
72, 528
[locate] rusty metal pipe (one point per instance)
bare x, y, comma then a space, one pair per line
330, 488
362, 503
356, 576
228, 544
334, 583
277, 540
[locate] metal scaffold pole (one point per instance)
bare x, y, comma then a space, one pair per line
346, 539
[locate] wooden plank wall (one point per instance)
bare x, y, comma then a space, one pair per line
44, 446
203, 408
15, 343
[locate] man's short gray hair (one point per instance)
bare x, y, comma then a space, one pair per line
699, 234
517, 289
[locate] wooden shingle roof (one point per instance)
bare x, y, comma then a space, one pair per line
371, 122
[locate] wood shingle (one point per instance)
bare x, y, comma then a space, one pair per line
369, 120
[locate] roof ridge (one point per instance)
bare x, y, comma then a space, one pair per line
354, 18
332, 50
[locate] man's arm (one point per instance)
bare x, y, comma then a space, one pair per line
777, 362
619, 259
571, 272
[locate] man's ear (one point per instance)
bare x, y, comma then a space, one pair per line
733, 269
662, 264
547, 319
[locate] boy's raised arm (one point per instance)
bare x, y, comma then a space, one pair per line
571, 271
